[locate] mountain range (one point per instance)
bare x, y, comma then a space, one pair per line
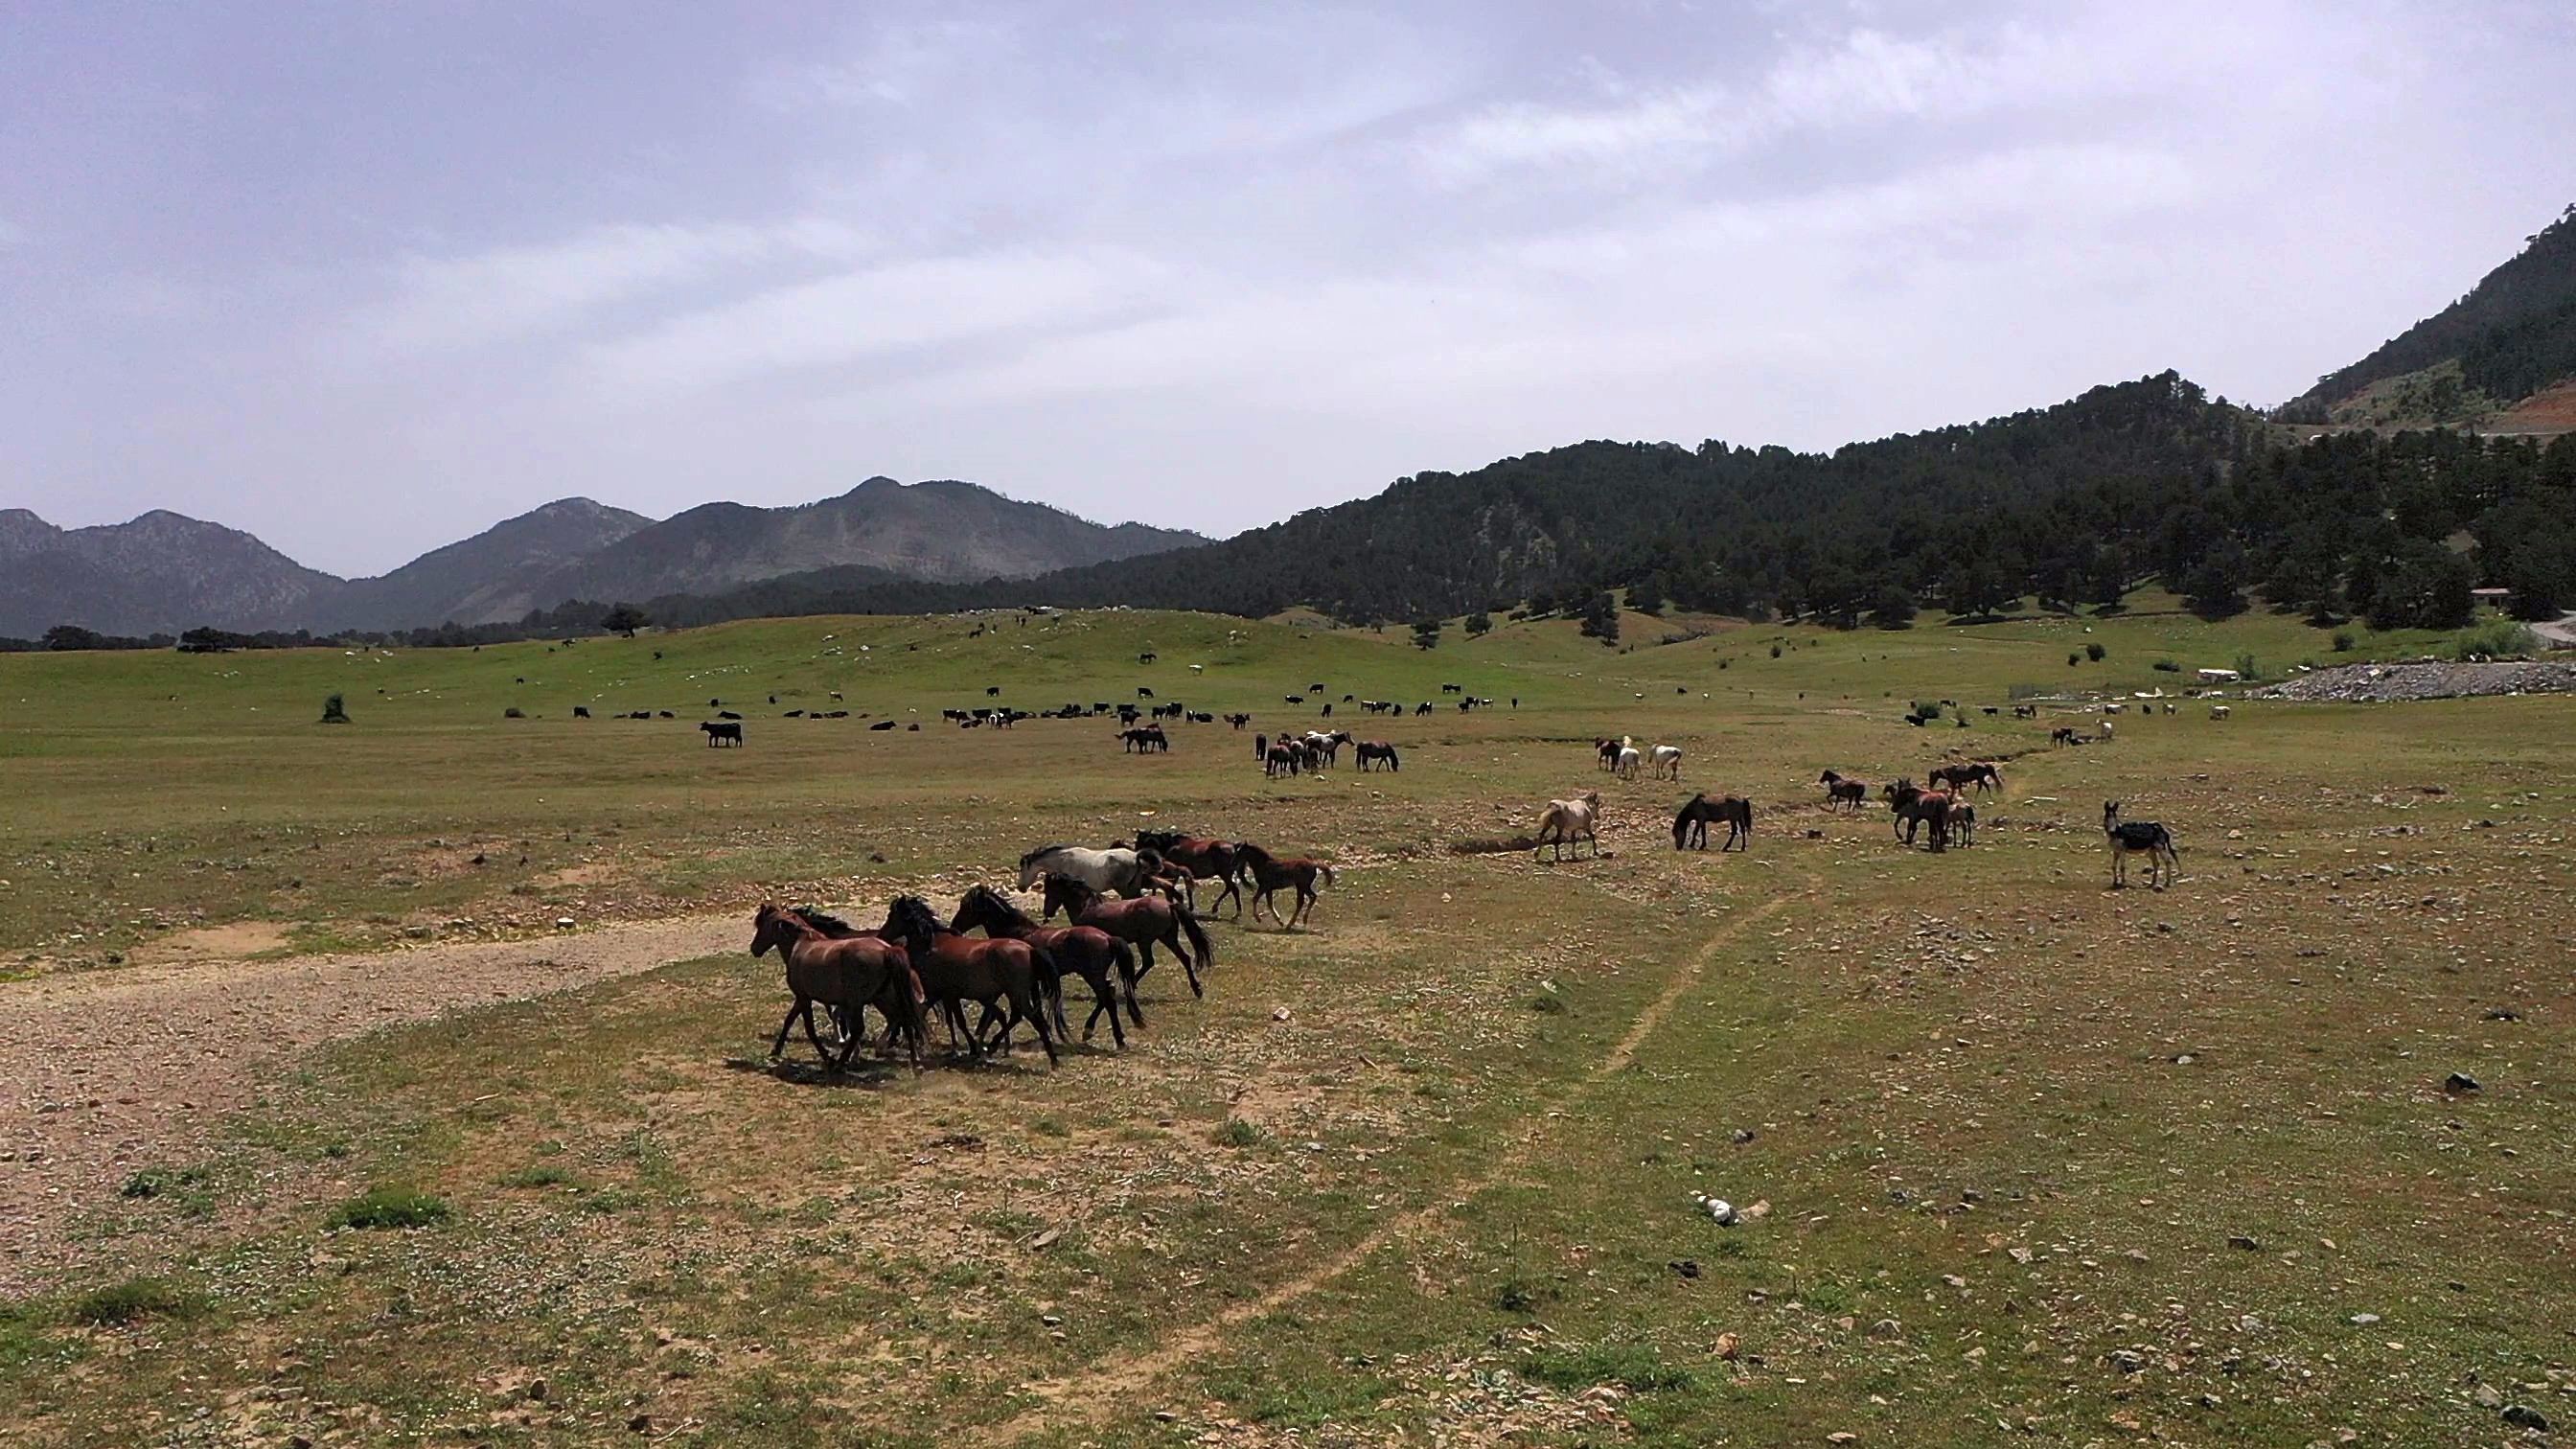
2333, 499
165, 572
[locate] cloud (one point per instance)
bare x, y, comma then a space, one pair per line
506, 293
1864, 77
897, 67
875, 312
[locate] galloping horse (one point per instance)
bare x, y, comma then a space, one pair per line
1567, 820
900, 1002
847, 974
1146, 923
1841, 791
956, 969
2140, 837
1909, 805
1112, 872
1699, 810
1205, 857
1087, 951
1270, 872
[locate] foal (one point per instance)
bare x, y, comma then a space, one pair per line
1269, 873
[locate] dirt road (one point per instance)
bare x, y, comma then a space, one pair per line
102, 1073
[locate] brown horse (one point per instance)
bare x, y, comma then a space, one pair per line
1842, 791
848, 974
1146, 923
1270, 873
902, 1019
1086, 951
1734, 811
1203, 856
1976, 773
956, 969
1909, 806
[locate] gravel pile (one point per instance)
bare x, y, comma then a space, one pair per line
2431, 679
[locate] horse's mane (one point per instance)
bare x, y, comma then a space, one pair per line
1041, 853
1004, 904
912, 912
1254, 852
830, 925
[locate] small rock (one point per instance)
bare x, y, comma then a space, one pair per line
1743, 1135
536, 1391
2502, 1013
1886, 1328
1728, 1346
641, 1423
2239, 1240
2128, 1362
2364, 1320
563, 923
2524, 1417
1166, 1416
2486, 1397
1051, 1320
1687, 1267
2459, 1082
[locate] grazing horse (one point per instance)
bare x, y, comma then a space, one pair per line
1841, 791
1667, 761
1204, 856
2138, 837
1270, 872
1608, 753
1147, 923
1977, 773
1368, 750
2063, 735
1116, 871
1629, 760
728, 732
1086, 951
1961, 821
843, 974
956, 969
1691, 825
1282, 759
1568, 820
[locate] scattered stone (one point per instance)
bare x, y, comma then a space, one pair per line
2459, 1082
2241, 1241
2486, 1397
2522, 1416
1728, 1346
1687, 1267
641, 1423
2365, 1319
536, 1391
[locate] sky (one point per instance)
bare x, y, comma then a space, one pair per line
364, 279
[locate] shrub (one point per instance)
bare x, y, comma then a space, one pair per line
2343, 641
2074, 659
1238, 1133
1927, 709
133, 1299
391, 1207
334, 711
1775, 651
2245, 666
2095, 652
514, 712
2167, 666
1637, 1367
2493, 638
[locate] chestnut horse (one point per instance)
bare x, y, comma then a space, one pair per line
955, 969
1086, 951
848, 974
1270, 873
1146, 923
1203, 856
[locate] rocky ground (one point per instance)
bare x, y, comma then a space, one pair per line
2427, 679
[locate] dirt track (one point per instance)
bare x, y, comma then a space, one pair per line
109, 1072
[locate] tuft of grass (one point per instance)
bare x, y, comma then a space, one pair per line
1238, 1133
1548, 1003
391, 1207
2343, 641
540, 1176
2167, 666
1519, 1295
132, 1301
2096, 653
1050, 1127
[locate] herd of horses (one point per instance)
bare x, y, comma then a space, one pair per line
1118, 905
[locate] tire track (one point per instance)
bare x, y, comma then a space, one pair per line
1088, 1397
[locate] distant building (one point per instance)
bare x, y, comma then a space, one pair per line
2219, 676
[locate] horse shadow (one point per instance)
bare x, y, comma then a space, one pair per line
863, 1075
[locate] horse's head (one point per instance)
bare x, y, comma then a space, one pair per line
2110, 815
1592, 798
769, 927
911, 920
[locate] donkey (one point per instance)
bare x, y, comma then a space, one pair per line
2138, 837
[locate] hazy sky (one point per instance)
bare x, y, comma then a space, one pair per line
364, 278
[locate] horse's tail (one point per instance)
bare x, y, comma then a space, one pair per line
1325, 871
1200, 945
1745, 808
1047, 975
1122, 958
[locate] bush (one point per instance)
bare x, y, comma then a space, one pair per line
2167, 666
2095, 652
133, 1299
2074, 659
2343, 641
1238, 1133
334, 711
1775, 651
391, 1207
2246, 668
1927, 709
2494, 638
514, 712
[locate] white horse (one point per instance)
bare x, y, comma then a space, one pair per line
1568, 820
1668, 762
1109, 872
1629, 760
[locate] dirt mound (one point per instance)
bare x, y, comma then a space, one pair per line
2548, 412
2429, 679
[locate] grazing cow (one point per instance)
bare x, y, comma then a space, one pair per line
2218, 711
722, 734
1143, 693
580, 712
883, 724
1452, 688
1422, 708
727, 714
1569, 820
2062, 735
1147, 657
992, 691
